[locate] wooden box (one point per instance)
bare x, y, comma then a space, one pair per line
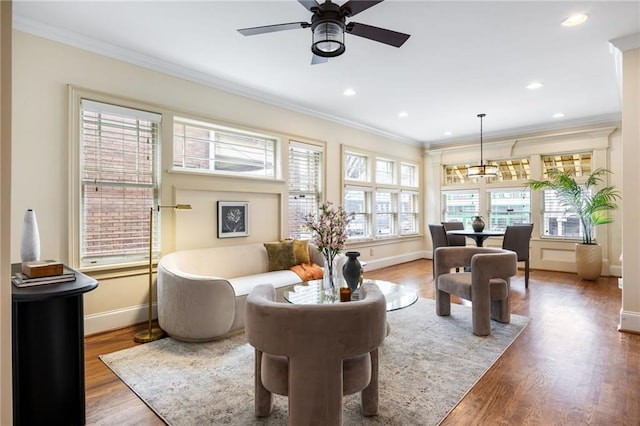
42, 268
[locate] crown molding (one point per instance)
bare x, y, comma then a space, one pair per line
92, 45
530, 131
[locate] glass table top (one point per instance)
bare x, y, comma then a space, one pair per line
312, 292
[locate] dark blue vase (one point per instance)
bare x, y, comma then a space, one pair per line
351, 270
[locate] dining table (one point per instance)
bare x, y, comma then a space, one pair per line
478, 236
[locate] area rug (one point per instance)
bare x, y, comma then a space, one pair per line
427, 364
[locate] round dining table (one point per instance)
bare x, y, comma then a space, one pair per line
479, 237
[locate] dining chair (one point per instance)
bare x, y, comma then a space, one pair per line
438, 239
486, 286
517, 238
315, 354
455, 240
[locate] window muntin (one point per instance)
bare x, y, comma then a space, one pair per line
508, 207
358, 200
460, 206
119, 174
305, 189
210, 148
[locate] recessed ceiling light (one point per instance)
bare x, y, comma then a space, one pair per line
403, 114
574, 20
448, 133
349, 92
558, 115
534, 85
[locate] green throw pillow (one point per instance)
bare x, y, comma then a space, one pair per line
281, 255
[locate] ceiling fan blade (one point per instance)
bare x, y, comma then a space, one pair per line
353, 7
316, 59
273, 28
392, 38
308, 4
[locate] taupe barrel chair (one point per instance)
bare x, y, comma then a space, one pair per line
486, 286
315, 354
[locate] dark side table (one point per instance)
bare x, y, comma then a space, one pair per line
48, 352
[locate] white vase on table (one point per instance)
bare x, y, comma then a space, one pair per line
30, 243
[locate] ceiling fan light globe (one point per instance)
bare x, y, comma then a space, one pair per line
328, 39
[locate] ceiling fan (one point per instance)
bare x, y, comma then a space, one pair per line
328, 25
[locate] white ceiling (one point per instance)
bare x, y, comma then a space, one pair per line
463, 58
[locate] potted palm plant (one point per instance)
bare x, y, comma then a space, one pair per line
592, 208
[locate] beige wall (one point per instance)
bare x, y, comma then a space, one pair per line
5, 218
41, 148
630, 313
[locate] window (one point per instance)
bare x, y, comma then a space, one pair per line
305, 168
385, 171
508, 207
409, 175
460, 206
118, 156
555, 222
206, 147
409, 212
508, 170
575, 164
356, 167
386, 213
358, 200
383, 207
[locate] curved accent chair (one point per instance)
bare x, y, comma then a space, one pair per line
486, 286
315, 354
517, 238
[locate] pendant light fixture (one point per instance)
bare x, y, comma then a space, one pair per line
482, 170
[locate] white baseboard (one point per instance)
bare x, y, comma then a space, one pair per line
629, 321
394, 260
112, 320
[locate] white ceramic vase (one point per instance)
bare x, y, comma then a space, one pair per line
30, 243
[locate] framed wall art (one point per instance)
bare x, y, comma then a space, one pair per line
233, 219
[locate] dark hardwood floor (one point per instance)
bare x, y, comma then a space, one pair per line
570, 366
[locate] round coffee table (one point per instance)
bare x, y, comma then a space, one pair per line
312, 292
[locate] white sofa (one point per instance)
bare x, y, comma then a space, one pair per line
202, 292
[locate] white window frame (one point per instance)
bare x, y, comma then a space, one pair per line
238, 139
366, 181
306, 198
138, 252
513, 216
550, 208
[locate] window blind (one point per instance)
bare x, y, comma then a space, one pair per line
119, 174
305, 177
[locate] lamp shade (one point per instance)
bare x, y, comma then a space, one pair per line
482, 170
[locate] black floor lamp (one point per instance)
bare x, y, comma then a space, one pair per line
154, 333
